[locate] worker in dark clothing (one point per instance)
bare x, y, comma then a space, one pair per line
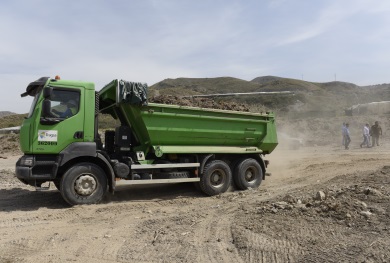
375, 132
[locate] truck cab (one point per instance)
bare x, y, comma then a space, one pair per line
59, 130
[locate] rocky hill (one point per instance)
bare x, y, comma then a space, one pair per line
330, 98
11, 120
6, 113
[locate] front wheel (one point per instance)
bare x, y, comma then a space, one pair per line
248, 174
216, 179
84, 183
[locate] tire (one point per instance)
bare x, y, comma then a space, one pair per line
248, 174
84, 183
172, 175
216, 178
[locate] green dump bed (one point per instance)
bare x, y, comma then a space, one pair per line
164, 128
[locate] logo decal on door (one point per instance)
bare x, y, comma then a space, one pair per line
47, 136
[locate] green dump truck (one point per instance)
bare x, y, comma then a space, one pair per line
152, 143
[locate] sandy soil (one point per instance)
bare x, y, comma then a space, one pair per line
321, 204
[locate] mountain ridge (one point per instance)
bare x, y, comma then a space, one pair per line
309, 96
6, 113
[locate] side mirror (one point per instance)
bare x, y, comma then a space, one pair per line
47, 117
47, 92
46, 106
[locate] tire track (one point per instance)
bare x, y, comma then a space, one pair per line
166, 238
214, 240
37, 218
261, 248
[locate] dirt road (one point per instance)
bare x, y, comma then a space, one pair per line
321, 204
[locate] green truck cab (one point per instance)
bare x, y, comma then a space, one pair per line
153, 143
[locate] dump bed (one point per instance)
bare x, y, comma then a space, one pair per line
166, 128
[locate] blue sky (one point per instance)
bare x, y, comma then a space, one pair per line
151, 40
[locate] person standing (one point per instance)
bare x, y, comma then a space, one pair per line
347, 137
376, 131
343, 134
366, 136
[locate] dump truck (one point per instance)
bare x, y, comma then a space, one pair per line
151, 143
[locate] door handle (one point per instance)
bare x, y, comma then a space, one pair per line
78, 135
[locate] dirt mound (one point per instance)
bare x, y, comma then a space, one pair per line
9, 145
348, 204
316, 225
199, 102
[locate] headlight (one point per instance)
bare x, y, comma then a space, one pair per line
27, 161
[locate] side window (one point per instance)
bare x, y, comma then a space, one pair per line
64, 103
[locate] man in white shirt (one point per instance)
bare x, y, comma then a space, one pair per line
366, 136
347, 137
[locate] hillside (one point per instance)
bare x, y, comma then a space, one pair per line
6, 113
192, 86
270, 83
11, 120
310, 97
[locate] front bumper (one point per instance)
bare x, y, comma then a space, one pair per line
34, 168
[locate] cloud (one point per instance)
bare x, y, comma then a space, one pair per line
148, 41
327, 19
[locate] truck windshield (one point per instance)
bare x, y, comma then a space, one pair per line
30, 113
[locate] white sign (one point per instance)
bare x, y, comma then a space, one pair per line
47, 136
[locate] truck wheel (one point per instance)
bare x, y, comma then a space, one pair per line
248, 173
84, 183
216, 179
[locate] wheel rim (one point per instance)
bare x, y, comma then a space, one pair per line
85, 184
250, 175
217, 178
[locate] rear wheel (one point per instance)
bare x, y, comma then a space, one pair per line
248, 173
84, 183
216, 179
